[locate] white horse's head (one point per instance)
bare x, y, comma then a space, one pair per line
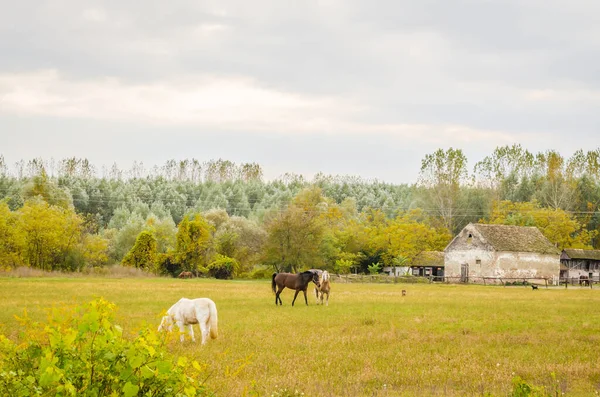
166, 323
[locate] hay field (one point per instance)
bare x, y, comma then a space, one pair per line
449, 340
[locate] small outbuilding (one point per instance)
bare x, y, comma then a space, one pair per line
500, 251
428, 264
578, 265
425, 264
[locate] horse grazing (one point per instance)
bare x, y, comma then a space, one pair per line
202, 311
298, 282
186, 275
323, 289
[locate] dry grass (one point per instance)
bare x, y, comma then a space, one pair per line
438, 340
114, 271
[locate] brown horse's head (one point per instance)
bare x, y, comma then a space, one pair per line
315, 279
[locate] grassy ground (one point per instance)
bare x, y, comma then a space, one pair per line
437, 340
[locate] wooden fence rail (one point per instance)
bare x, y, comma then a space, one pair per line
504, 281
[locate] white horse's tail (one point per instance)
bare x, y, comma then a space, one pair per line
213, 318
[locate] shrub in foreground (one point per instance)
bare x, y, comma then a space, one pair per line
81, 352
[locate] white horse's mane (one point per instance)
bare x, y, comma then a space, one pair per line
323, 288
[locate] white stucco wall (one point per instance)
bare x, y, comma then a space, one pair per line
396, 270
501, 264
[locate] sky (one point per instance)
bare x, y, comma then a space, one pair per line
341, 87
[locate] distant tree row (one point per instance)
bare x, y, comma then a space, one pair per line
223, 220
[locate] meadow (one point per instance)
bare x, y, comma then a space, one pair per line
439, 339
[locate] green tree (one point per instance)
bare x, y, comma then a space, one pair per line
441, 176
143, 254
42, 186
504, 162
294, 235
193, 243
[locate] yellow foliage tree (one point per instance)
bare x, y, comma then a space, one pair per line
11, 240
50, 234
560, 227
406, 237
94, 249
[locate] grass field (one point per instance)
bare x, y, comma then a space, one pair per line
450, 340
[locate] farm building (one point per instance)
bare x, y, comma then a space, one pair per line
425, 264
428, 263
500, 251
580, 265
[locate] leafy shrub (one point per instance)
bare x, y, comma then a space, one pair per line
143, 253
223, 267
524, 389
374, 268
80, 352
258, 273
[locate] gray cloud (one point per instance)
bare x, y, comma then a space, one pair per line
527, 70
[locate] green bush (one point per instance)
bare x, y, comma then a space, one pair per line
80, 352
523, 389
143, 253
223, 267
258, 273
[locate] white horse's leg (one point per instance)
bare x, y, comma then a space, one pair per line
205, 328
192, 332
181, 330
327, 300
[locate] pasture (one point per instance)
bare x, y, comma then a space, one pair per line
449, 340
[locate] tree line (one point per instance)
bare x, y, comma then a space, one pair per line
222, 219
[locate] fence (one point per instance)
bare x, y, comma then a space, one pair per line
504, 281
379, 278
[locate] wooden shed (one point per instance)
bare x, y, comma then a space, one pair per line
580, 265
428, 263
500, 251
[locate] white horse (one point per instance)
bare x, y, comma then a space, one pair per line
202, 311
324, 288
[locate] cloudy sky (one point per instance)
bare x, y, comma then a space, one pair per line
348, 87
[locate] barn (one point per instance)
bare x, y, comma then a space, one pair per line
500, 251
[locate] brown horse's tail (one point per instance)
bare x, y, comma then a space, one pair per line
273, 284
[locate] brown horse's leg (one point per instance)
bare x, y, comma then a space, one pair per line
296, 294
279, 289
305, 299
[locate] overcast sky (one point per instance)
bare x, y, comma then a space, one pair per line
347, 87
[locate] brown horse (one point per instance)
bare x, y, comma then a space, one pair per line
298, 282
186, 275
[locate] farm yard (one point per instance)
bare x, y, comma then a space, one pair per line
439, 339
